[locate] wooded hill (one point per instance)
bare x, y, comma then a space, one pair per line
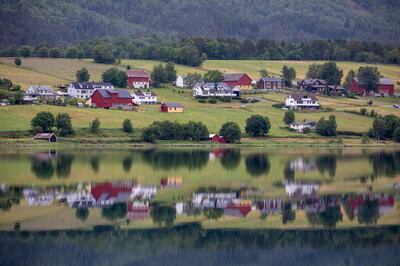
58, 22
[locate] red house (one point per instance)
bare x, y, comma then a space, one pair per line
217, 139
240, 79
109, 193
112, 99
386, 87
138, 79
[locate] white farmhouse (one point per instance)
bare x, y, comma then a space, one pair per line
300, 126
144, 97
181, 81
202, 89
302, 100
39, 93
84, 90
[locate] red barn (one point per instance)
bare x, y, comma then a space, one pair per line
138, 79
241, 79
386, 87
112, 99
217, 139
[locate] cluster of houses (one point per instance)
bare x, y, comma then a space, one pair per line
234, 203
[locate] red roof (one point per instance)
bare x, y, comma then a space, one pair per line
139, 73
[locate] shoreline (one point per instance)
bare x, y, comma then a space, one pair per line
265, 142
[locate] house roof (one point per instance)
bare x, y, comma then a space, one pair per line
216, 86
41, 88
89, 85
233, 77
382, 81
237, 210
312, 81
140, 93
137, 73
299, 95
44, 135
106, 93
271, 79
173, 105
305, 122
104, 191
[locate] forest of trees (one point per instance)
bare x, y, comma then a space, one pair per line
69, 21
193, 51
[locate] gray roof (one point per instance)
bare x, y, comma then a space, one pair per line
382, 81
106, 93
299, 95
233, 77
215, 86
312, 81
174, 105
271, 79
89, 85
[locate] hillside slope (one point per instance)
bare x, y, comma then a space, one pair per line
69, 21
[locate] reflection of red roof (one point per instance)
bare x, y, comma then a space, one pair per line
112, 189
237, 210
137, 212
383, 200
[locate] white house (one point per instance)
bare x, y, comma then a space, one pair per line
181, 81
84, 90
39, 93
300, 126
144, 97
302, 100
202, 89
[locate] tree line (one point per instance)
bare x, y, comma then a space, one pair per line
193, 51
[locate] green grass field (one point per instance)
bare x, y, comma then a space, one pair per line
16, 117
56, 71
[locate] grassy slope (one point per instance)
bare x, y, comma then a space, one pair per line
54, 71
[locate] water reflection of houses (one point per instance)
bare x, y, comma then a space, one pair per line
304, 165
138, 210
385, 202
213, 200
238, 208
171, 182
270, 206
301, 189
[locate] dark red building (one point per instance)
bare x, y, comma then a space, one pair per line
217, 139
112, 99
386, 87
241, 79
138, 79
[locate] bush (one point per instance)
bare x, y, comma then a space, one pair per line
363, 111
231, 131
244, 100
396, 134
327, 127
95, 126
44, 120
127, 126
256, 125
213, 101
151, 133
278, 105
370, 102
202, 101
289, 117
225, 99
254, 100
306, 130
18, 61
364, 139
64, 125
73, 102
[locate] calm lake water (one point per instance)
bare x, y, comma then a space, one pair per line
254, 206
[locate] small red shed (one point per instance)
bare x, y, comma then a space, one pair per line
217, 139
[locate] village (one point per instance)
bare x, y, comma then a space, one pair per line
297, 96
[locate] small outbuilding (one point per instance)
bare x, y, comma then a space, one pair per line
217, 139
171, 108
50, 137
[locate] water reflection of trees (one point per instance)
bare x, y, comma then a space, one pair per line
82, 214
115, 211
385, 163
163, 215
95, 164
231, 159
10, 196
257, 164
127, 164
368, 213
213, 213
167, 160
44, 165
288, 214
326, 163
